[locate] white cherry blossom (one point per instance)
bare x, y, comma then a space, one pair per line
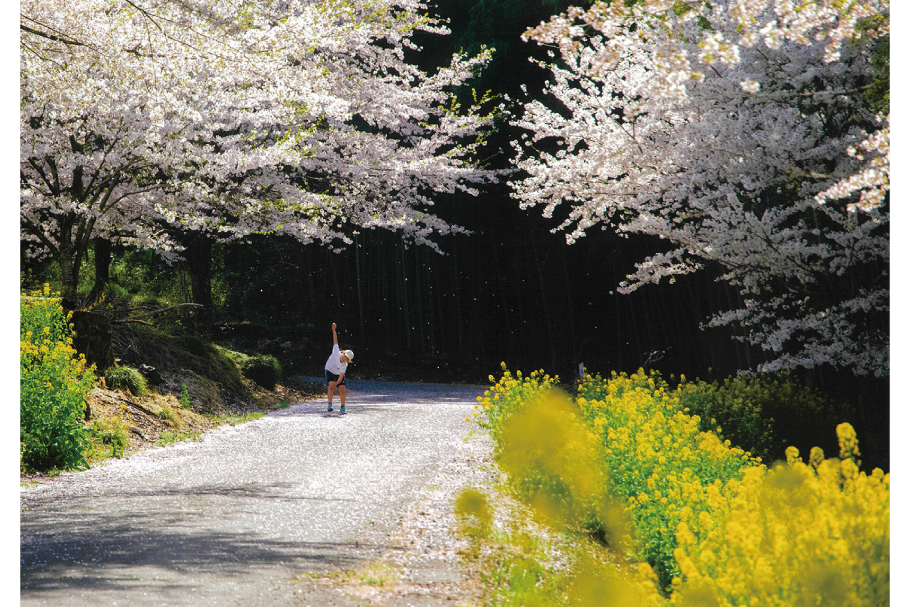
723, 129
144, 118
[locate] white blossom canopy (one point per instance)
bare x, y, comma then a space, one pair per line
741, 134
140, 118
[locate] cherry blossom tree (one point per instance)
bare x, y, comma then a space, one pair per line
141, 119
741, 133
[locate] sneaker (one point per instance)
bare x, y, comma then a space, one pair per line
342, 410
330, 409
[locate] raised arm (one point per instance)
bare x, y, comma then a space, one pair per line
334, 335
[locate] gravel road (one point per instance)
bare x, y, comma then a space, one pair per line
253, 514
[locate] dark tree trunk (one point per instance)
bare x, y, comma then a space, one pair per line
198, 256
102, 267
359, 286
93, 339
70, 261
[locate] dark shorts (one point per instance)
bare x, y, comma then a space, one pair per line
329, 376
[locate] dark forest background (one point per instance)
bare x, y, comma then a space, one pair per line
511, 291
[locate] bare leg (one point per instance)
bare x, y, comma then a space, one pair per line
342, 394
332, 392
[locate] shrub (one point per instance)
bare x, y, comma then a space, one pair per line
185, 401
53, 382
239, 358
126, 378
264, 369
764, 415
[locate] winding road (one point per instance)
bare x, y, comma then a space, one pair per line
236, 518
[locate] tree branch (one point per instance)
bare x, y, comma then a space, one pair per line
60, 39
154, 312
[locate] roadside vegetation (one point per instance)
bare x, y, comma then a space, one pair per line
652, 505
164, 387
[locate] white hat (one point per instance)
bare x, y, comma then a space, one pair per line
349, 354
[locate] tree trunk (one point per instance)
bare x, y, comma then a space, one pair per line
67, 279
70, 262
198, 255
93, 339
102, 267
403, 297
359, 287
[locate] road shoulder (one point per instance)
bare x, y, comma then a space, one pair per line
420, 563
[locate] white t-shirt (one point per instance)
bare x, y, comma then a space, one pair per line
334, 363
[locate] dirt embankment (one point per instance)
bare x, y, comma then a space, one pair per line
159, 417
150, 417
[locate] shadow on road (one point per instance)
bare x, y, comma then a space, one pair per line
230, 520
56, 557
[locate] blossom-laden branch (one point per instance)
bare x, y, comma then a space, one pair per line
237, 117
741, 133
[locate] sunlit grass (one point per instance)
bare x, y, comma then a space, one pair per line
170, 438
237, 418
377, 574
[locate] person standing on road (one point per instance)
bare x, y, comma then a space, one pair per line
335, 368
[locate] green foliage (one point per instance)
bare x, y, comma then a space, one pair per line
53, 382
264, 369
878, 91
185, 397
167, 414
126, 378
763, 415
112, 432
239, 358
172, 437
210, 362
141, 275
195, 346
164, 351
240, 418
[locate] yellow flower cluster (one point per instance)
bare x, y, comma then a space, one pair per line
53, 381
508, 394
800, 534
45, 332
662, 465
717, 525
